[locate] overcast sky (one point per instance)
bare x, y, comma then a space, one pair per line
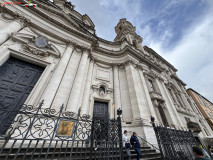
181, 31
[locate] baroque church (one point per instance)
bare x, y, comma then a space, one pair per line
51, 52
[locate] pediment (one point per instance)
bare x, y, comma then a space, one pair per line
62, 19
59, 18
88, 21
28, 44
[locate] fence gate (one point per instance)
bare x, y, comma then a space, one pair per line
174, 144
49, 134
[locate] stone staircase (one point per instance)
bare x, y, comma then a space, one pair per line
147, 153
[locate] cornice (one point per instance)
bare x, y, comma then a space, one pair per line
178, 79
56, 12
43, 28
161, 58
184, 112
109, 42
128, 50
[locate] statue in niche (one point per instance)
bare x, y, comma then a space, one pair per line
101, 91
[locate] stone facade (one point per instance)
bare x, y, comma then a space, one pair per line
204, 105
78, 63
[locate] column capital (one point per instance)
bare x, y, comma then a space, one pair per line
86, 50
92, 58
139, 67
129, 62
77, 47
115, 65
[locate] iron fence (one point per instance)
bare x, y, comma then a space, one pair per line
44, 133
174, 144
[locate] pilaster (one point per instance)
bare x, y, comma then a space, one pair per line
66, 84
133, 91
86, 96
84, 82
73, 102
170, 106
127, 115
117, 96
54, 82
146, 94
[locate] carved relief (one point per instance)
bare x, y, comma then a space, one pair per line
15, 17
31, 45
30, 49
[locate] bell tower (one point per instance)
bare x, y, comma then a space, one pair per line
125, 30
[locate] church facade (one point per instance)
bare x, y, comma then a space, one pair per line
51, 52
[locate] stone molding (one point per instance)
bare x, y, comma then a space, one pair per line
14, 16
84, 33
153, 75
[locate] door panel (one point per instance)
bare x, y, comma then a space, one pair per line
17, 79
100, 109
100, 122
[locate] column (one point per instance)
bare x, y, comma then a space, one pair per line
117, 96
7, 30
127, 114
86, 96
84, 82
147, 95
73, 102
132, 86
66, 84
169, 104
34, 96
55, 80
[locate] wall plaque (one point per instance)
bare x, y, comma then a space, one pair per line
66, 128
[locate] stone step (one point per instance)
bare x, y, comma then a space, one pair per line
78, 153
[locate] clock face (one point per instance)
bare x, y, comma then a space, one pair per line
41, 41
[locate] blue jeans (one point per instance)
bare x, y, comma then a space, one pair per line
128, 153
138, 151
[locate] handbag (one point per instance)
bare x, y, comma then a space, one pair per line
127, 145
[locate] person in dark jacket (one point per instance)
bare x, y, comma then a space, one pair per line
135, 143
198, 153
